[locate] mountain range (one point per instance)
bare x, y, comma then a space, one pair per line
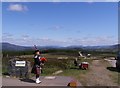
13, 47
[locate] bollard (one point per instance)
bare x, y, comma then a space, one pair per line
72, 84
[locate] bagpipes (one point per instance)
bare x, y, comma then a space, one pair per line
43, 59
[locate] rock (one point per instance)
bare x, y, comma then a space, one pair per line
50, 77
19, 71
57, 72
7, 76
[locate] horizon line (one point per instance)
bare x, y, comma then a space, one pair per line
58, 45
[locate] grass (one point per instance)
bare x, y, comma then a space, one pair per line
0, 68
74, 72
52, 65
49, 71
77, 73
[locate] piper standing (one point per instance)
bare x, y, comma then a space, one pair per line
36, 67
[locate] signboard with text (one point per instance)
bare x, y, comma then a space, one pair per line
20, 63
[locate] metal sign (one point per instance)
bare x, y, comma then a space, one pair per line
20, 63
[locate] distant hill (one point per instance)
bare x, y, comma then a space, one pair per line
12, 47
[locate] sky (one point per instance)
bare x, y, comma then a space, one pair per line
60, 23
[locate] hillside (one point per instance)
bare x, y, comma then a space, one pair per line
12, 47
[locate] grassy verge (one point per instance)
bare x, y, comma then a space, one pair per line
77, 73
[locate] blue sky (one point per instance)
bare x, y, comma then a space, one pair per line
62, 24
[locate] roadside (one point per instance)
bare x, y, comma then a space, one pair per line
99, 75
115, 72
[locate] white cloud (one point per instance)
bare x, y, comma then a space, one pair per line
7, 35
26, 40
17, 7
25, 36
56, 27
90, 41
89, 1
14, 0
60, 1
56, 0
111, 0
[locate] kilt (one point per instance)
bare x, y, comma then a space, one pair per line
36, 69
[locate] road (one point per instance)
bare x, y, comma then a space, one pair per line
99, 75
112, 62
58, 81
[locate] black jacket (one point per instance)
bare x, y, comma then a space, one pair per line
37, 60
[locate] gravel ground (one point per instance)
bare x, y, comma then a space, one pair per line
98, 75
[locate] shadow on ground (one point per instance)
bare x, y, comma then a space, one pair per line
113, 69
6, 74
28, 80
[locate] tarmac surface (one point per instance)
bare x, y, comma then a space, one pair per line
54, 81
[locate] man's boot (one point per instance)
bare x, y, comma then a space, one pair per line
38, 80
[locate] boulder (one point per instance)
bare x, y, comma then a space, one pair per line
19, 68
